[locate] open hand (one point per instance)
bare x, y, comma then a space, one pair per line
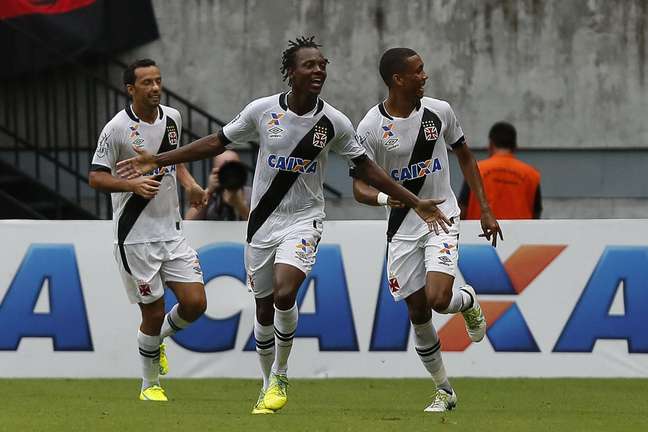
490, 228
139, 165
146, 187
428, 211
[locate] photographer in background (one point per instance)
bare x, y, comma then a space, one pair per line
228, 196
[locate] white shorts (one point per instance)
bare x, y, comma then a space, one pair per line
409, 261
297, 248
145, 267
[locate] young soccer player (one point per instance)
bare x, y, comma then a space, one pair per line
409, 135
295, 129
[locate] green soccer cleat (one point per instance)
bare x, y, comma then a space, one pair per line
154, 393
442, 402
276, 396
259, 407
474, 317
164, 362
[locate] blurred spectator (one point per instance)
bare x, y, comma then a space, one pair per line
512, 187
228, 196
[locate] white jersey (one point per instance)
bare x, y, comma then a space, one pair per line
291, 164
414, 152
137, 219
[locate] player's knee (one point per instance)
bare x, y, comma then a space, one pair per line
153, 318
440, 301
194, 306
284, 297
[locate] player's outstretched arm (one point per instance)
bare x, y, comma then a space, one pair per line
104, 181
203, 148
427, 209
365, 194
490, 227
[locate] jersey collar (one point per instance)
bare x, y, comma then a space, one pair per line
283, 103
383, 110
131, 114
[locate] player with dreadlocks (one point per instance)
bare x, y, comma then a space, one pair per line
295, 130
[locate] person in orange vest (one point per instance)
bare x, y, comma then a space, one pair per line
512, 187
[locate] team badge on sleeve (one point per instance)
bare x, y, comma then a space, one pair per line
430, 130
319, 137
173, 135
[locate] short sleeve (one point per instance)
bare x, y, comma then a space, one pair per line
453, 134
243, 127
367, 141
346, 142
106, 153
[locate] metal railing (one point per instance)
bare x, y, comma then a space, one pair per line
51, 120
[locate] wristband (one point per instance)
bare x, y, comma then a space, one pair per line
382, 198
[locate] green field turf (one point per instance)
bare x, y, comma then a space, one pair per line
326, 405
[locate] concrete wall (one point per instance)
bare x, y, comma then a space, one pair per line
568, 73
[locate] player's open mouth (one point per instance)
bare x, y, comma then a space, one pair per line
317, 82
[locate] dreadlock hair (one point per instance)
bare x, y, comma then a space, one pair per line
288, 56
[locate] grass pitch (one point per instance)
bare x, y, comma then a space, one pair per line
326, 405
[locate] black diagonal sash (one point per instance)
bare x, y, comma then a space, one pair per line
283, 180
422, 151
136, 204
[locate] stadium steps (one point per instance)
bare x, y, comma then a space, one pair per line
22, 197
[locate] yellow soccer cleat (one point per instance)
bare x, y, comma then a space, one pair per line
164, 362
276, 396
154, 393
259, 407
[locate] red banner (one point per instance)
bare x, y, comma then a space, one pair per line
15, 8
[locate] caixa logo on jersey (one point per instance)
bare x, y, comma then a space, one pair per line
333, 323
420, 169
292, 164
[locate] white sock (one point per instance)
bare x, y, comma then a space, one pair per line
285, 324
265, 348
173, 323
149, 349
428, 347
461, 301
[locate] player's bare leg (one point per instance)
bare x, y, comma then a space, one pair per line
286, 282
443, 299
192, 303
148, 339
428, 347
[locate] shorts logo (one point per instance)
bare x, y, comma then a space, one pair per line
173, 135
144, 288
430, 130
292, 164
305, 250
196, 267
420, 169
446, 248
444, 260
274, 129
393, 284
319, 137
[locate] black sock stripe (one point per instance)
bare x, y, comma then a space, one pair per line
265, 344
472, 299
286, 335
157, 350
173, 325
428, 351
285, 339
153, 356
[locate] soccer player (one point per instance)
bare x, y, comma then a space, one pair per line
408, 135
296, 130
150, 248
